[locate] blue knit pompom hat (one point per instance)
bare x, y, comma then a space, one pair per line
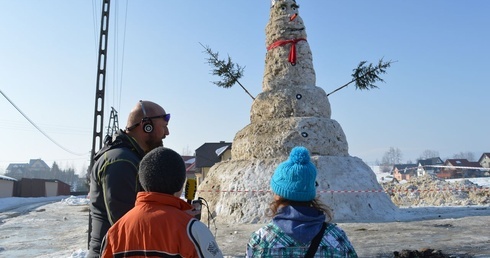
294, 179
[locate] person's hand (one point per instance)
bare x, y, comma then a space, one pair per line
193, 212
196, 209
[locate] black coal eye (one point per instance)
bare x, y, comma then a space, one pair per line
298, 96
304, 134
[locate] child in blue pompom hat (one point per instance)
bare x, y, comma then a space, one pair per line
300, 222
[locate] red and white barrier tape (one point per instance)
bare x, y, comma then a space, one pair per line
444, 167
477, 189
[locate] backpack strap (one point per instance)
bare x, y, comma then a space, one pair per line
316, 242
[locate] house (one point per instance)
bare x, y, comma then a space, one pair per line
404, 171
35, 187
7, 186
485, 160
36, 168
460, 168
209, 154
430, 166
17, 170
476, 170
190, 166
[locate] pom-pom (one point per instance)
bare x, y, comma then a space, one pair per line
299, 155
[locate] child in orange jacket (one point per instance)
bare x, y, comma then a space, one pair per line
159, 224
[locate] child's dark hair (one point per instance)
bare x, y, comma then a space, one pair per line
162, 170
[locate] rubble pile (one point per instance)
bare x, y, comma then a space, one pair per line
431, 191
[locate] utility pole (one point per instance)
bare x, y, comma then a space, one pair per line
100, 83
99, 93
113, 125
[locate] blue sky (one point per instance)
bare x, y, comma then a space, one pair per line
434, 96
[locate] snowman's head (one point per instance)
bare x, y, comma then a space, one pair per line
285, 22
273, 2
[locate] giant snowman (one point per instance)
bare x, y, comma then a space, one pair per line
291, 111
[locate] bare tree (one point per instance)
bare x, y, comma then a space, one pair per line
392, 156
427, 154
470, 156
186, 151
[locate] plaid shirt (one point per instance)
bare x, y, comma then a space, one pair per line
270, 241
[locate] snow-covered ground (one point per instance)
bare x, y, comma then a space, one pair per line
28, 225
10, 203
481, 181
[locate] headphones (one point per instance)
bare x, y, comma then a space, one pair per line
146, 121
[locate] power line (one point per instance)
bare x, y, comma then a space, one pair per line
39, 129
50, 128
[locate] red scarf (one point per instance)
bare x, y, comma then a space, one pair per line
292, 50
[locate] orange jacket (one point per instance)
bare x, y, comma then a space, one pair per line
158, 227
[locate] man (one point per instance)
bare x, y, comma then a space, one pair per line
160, 225
114, 176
